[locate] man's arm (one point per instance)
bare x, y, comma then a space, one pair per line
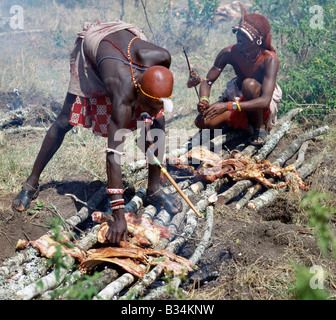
120, 117
213, 74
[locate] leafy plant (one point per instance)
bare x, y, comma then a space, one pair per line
319, 215
201, 13
306, 40
177, 293
303, 289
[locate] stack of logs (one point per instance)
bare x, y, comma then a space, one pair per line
16, 284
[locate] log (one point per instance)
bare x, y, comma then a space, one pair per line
113, 289
106, 277
288, 116
296, 144
206, 236
136, 202
173, 246
150, 212
84, 212
301, 155
17, 259
47, 282
175, 283
270, 144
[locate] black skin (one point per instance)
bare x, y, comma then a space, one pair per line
119, 85
257, 80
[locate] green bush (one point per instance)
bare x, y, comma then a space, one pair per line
304, 35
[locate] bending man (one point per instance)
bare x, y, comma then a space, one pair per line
117, 78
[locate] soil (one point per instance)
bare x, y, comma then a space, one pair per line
245, 249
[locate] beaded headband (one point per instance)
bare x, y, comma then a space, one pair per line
148, 95
251, 32
167, 103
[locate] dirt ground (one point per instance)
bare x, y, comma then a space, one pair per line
250, 253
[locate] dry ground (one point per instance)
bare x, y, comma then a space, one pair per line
251, 254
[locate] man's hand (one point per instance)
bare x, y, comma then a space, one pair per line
202, 106
215, 110
117, 229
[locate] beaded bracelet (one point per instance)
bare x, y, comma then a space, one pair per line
205, 98
114, 191
145, 117
114, 203
118, 207
117, 200
229, 104
148, 119
238, 106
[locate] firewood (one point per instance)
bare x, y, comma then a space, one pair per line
175, 283
173, 246
17, 259
47, 282
84, 212
301, 155
54, 278
271, 143
300, 144
113, 289
295, 146
136, 202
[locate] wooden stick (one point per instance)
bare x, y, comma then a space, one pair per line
178, 189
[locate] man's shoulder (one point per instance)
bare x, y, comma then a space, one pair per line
268, 54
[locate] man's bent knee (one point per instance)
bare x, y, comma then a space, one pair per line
250, 88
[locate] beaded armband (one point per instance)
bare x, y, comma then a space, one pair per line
208, 82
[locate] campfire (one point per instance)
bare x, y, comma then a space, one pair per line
156, 238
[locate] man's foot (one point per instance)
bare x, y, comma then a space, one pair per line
171, 204
25, 197
258, 138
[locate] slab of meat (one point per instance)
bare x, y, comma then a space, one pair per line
238, 167
144, 232
47, 246
169, 261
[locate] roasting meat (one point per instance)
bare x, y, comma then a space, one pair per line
169, 261
144, 232
134, 256
48, 246
238, 167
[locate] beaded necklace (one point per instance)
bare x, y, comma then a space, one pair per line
128, 58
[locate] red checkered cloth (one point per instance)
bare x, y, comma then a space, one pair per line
96, 113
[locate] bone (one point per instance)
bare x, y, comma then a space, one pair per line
270, 195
